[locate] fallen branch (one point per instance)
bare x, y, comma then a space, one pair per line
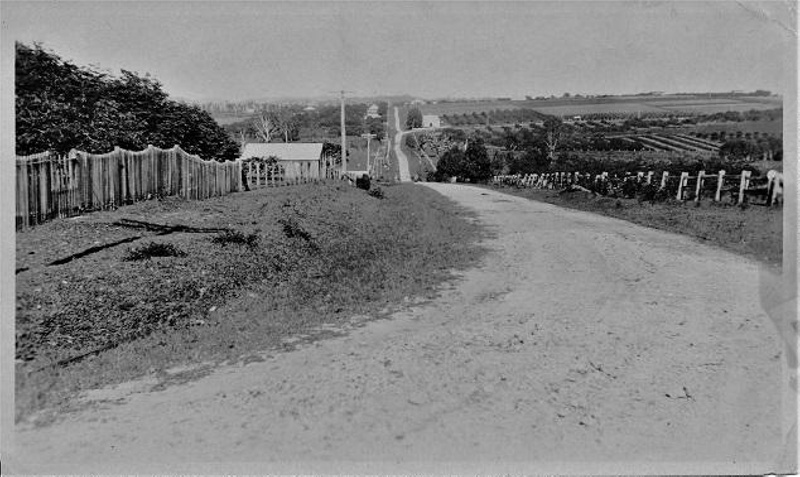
92, 250
168, 229
137, 224
77, 357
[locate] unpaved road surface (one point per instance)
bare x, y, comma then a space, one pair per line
582, 344
402, 160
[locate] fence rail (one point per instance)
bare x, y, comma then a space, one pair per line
683, 187
49, 185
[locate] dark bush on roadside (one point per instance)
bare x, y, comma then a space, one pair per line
153, 249
377, 192
363, 182
630, 188
235, 237
600, 187
293, 229
652, 193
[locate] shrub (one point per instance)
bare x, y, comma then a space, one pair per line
652, 193
629, 188
153, 249
377, 192
363, 182
292, 229
234, 237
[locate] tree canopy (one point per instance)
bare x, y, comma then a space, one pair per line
414, 118
61, 106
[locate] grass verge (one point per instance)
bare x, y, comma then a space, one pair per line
753, 231
291, 259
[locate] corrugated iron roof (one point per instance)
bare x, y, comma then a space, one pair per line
292, 151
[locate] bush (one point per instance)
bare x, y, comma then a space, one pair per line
292, 229
377, 192
363, 182
153, 249
630, 188
234, 237
652, 193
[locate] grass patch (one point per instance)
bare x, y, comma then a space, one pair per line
314, 254
754, 231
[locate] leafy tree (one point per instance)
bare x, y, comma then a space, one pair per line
451, 164
376, 126
414, 118
334, 151
498, 162
60, 106
477, 165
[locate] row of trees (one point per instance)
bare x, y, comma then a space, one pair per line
289, 123
61, 106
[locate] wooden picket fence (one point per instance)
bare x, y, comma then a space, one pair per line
684, 187
49, 185
260, 174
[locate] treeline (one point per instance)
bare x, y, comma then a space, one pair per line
319, 123
61, 106
494, 117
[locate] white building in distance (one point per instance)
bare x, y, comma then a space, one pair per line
372, 112
431, 121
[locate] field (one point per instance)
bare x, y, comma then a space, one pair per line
614, 105
469, 107
295, 259
774, 128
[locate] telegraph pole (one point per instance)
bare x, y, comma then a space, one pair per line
344, 134
368, 137
344, 139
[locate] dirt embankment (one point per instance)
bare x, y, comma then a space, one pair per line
582, 344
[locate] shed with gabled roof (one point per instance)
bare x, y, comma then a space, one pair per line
297, 161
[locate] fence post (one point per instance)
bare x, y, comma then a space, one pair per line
664, 177
649, 177
699, 186
743, 183
681, 183
720, 180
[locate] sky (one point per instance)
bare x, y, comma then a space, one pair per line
217, 50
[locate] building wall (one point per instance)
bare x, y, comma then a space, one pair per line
301, 169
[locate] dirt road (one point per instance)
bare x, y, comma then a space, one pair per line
582, 344
402, 160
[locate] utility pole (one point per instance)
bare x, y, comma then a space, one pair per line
369, 138
344, 137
